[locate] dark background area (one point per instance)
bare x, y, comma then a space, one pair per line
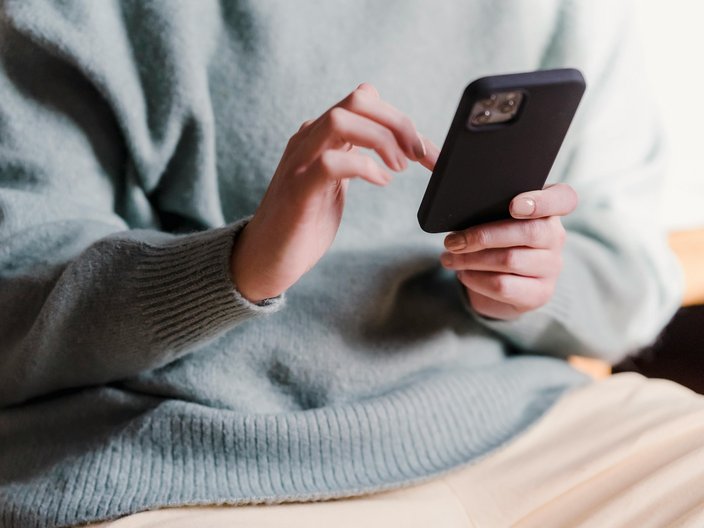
677, 354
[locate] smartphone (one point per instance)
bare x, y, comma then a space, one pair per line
503, 141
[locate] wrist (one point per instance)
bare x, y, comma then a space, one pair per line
245, 276
238, 268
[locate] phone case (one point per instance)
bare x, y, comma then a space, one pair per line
481, 168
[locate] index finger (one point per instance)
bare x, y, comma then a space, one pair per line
554, 200
366, 102
431, 156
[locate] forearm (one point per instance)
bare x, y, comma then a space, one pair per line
130, 302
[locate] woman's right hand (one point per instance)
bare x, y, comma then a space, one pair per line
299, 215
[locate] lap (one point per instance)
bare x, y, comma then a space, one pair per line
624, 451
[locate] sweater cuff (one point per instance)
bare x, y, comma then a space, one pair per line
532, 330
185, 291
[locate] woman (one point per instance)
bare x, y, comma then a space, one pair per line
190, 320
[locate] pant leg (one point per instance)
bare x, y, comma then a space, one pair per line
432, 504
625, 451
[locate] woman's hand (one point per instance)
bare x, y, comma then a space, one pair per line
300, 212
511, 266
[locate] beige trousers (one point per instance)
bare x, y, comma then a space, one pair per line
625, 451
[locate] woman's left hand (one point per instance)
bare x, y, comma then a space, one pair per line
510, 267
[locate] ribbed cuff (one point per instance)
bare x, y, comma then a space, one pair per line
185, 291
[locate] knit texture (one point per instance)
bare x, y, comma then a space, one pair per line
136, 141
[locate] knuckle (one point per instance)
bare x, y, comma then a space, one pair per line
369, 88
305, 125
405, 123
389, 135
524, 306
292, 141
336, 118
368, 165
511, 258
544, 295
568, 191
478, 237
386, 137
500, 284
357, 98
534, 230
299, 174
457, 261
538, 299
326, 161
528, 303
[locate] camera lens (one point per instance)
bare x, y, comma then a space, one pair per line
508, 106
481, 117
489, 101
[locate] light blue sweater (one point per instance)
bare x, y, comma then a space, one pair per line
137, 138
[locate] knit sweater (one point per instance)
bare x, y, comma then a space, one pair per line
137, 139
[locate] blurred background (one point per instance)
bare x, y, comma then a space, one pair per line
673, 42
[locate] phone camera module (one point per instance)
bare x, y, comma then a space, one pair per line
497, 108
481, 117
489, 102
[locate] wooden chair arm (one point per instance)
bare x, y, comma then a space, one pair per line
689, 248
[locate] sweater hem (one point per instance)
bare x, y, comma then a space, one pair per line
176, 453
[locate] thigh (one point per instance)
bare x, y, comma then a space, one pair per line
429, 504
625, 451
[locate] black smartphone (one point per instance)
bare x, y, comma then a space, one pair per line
503, 141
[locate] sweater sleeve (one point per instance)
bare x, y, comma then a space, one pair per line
620, 283
86, 298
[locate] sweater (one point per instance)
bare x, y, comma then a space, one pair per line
137, 139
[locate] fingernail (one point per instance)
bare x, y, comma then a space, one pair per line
446, 259
455, 242
523, 207
419, 148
